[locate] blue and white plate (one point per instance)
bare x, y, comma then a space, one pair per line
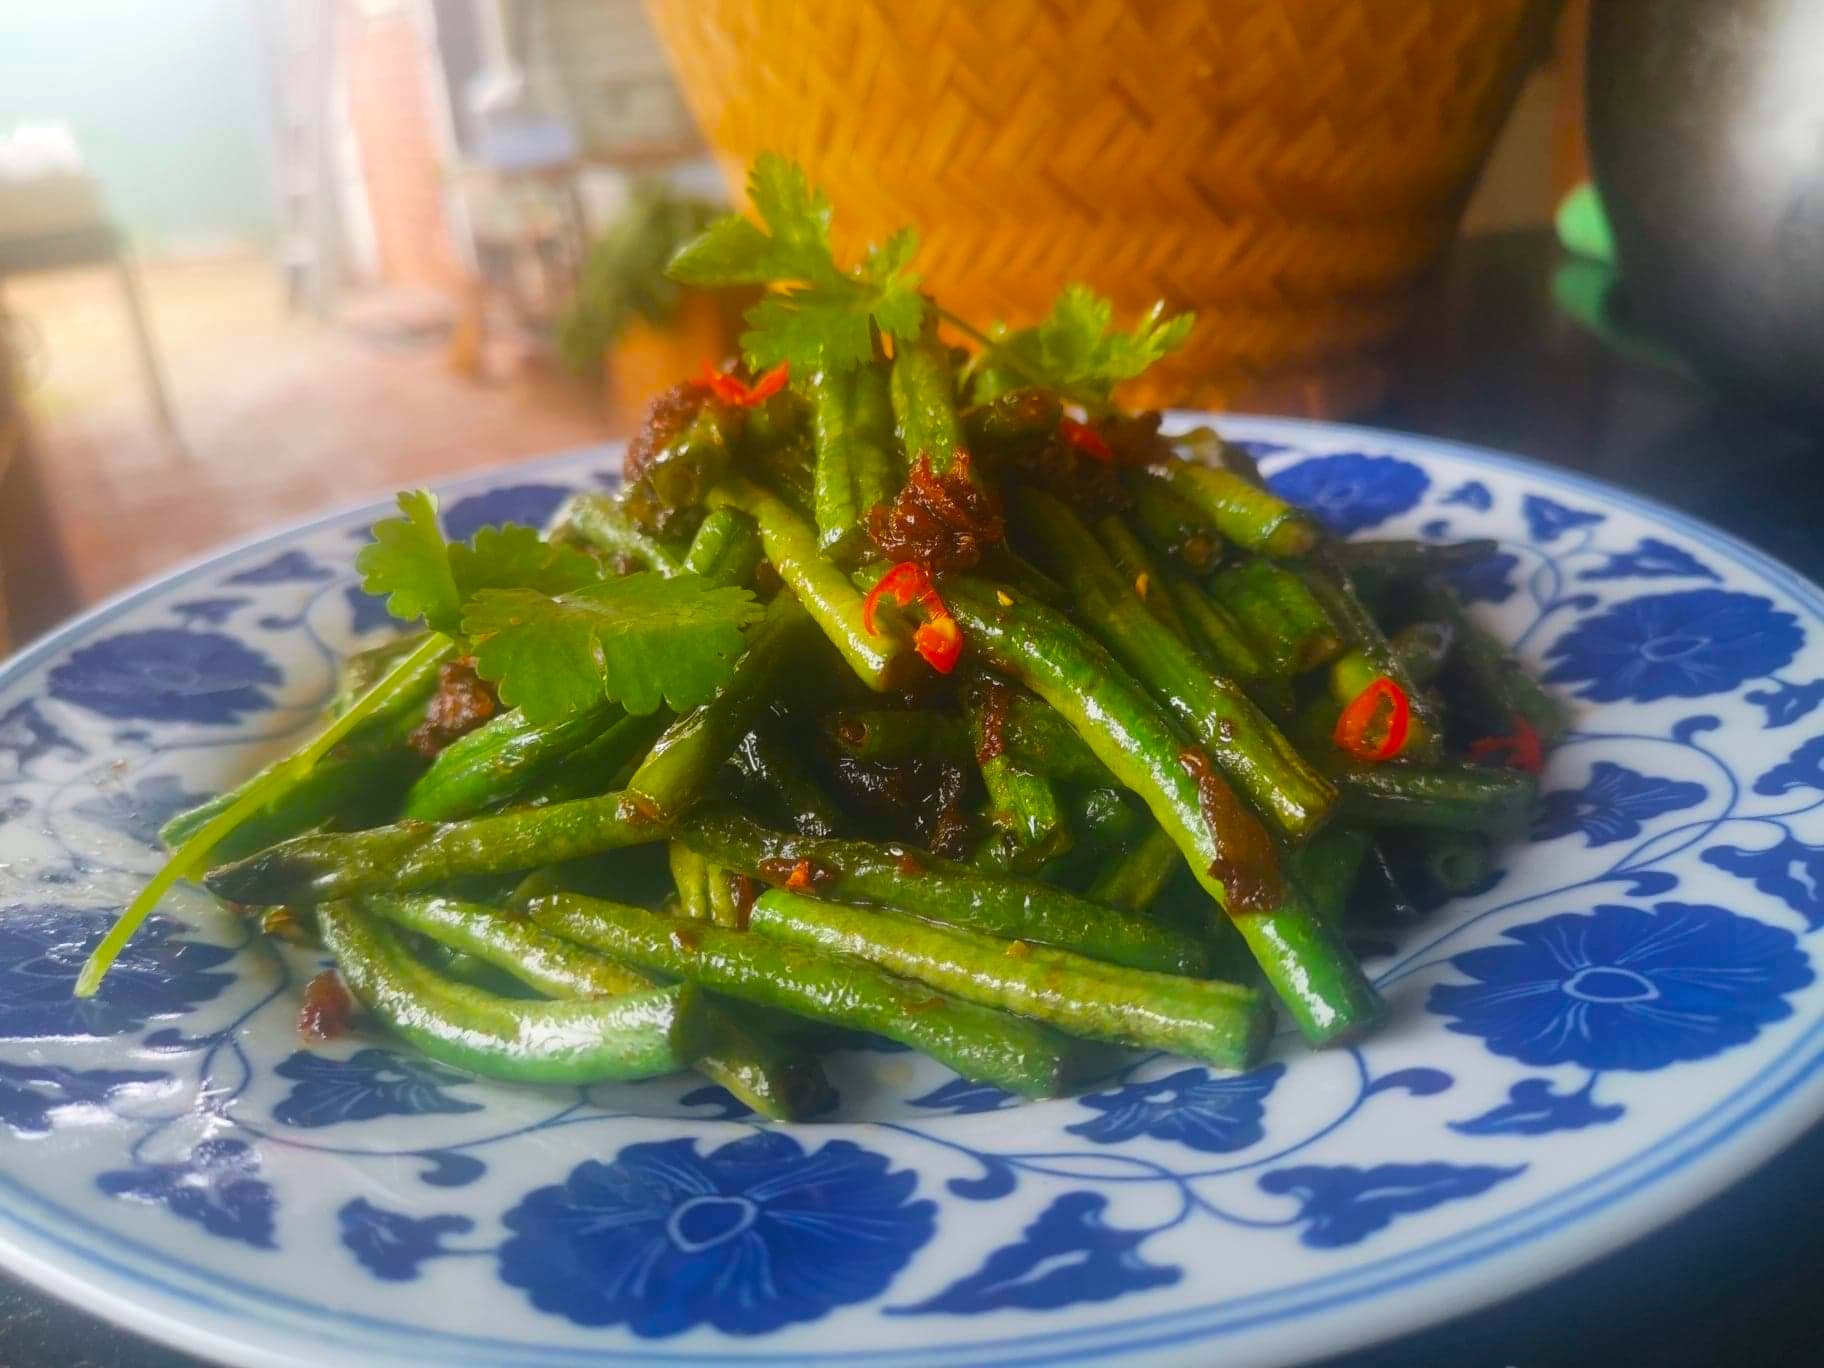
1625, 1019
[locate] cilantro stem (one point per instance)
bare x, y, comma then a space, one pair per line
1094, 405
191, 854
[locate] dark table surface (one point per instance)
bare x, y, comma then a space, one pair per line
1491, 360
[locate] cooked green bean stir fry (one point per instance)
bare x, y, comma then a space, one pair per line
901, 688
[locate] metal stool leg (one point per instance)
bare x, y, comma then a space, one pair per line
143, 339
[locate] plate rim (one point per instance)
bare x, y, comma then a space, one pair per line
1758, 1115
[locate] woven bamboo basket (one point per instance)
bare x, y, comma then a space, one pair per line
1286, 168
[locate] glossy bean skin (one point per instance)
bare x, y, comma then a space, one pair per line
407, 856
921, 883
684, 760
493, 763
1220, 1023
775, 1079
1303, 958
978, 1042
877, 658
1244, 513
644, 1035
1257, 759
601, 522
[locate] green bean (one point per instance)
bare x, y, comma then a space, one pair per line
1223, 642
1397, 557
1457, 861
1134, 565
1303, 959
1013, 426
364, 669
1448, 797
1370, 655
491, 764
367, 769
1025, 809
825, 591
1022, 805
772, 767
1001, 562
545, 963
1326, 868
856, 465
1497, 687
644, 1035
772, 1078
726, 550
1171, 524
413, 855
1221, 1023
593, 769
690, 875
1249, 748
1034, 734
892, 734
1279, 613
1135, 878
602, 522
725, 901
684, 761
355, 783
1422, 648
978, 1042
917, 882
923, 392
1251, 517
1107, 816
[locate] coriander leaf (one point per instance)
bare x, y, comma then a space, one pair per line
731, 251
637, 640
795, 244
1074, 351
826, 319
517, 557
409, 562
830, 327
797, 215
813, 329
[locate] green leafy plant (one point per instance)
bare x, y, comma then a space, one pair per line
1077, 350
819, 316
543, 623
623, 278
823, 317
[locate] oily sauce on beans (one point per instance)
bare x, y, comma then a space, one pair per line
327, 1010
941, 522
995, 698
1245, 862
464, 700
670, 414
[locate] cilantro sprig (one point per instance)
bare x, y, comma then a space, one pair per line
819, 316
1077, 350
543, 623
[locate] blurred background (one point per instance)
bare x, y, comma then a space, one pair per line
262, 256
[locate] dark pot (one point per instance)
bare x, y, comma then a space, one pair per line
1707, 133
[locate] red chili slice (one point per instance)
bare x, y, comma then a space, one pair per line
937, 639
731, 389
940, 642
1520, 749
903, 583
1375, 724
1085, 439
